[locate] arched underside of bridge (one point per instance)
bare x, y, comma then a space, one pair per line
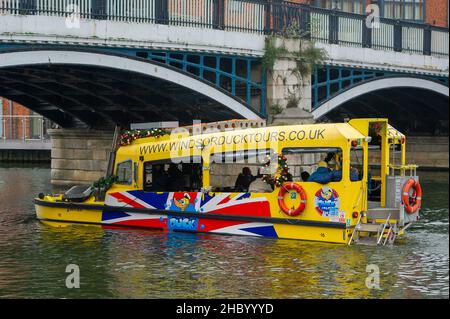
92, 89
416, 106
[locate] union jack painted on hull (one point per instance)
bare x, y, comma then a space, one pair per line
190, 202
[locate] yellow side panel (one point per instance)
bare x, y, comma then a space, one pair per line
325, 234
67, 214
351, 198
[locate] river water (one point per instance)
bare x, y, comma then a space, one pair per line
154, 264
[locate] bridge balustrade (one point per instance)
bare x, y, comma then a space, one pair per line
254, 16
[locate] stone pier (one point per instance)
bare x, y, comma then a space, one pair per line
429, 152
288, 91
79, 156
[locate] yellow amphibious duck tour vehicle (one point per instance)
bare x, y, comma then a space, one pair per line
341, 183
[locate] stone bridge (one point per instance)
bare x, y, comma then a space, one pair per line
95, 64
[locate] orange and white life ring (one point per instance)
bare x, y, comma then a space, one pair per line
285, 189
412, 202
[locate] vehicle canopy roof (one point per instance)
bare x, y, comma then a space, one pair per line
394, 133
275, 137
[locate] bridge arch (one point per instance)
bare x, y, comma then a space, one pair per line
108, 88
378, 84
415, 105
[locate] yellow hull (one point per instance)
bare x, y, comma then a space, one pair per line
61, 214
57, 215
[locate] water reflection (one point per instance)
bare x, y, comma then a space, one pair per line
154, 264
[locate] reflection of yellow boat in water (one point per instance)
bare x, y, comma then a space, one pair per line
340, 201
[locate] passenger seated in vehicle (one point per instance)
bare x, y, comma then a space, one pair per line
322, 175
175, 178
304, 175
244, 180
354, 174
160, 179
336, 175
334, 161
260, 186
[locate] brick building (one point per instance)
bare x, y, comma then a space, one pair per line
434, 12
18, 122
437, 12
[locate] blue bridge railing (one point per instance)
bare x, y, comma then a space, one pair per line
255, 16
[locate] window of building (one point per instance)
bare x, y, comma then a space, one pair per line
124, 172
391, 9
235, 6
403, 9
353, 6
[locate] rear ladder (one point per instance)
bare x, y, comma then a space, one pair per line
376, 233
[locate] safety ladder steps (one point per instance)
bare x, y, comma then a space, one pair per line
392, 213
390, 235
377, 234
369, 228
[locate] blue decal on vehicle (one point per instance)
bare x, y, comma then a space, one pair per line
157, 200
182, 223
327, 202
113, 215
266, 231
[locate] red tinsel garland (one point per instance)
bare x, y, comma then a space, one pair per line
128, 136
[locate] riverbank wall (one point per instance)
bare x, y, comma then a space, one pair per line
429, 152
25, 156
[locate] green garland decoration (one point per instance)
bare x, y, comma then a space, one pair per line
128, 136
282, 174
104, 183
